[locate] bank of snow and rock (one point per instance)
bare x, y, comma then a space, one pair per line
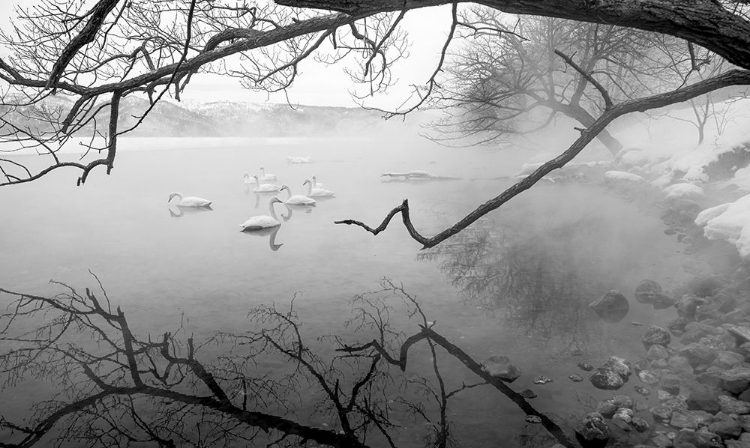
698, 364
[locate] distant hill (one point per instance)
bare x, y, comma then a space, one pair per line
230, 119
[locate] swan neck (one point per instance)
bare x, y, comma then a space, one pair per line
272, 211
309, 188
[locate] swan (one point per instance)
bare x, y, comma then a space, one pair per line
316, 192
262, 221
315, 183
264, 176
293, 159
297, 199
190, 201
264, 188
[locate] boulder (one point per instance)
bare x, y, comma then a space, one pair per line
662, 301
726, 359
690, 419
741, 333
592, 431
671, 383
645, 291
618, 365
612, 307
657, 351
735, 380
661, 413
697, 439
501, 367
648, 376
677, 325
705, 286
726, 427
697, 354
606, 379
656, 335
729, 405
686, 306
700, 396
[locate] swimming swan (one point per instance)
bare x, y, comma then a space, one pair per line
264, 176
316, 192
190, 201
264, 188
262, 221
315, 183
297, 199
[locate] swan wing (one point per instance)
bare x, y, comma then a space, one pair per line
192, 201
320, 192
258, 223
299, 199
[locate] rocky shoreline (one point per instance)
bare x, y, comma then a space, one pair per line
699, 365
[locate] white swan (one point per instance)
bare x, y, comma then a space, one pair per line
265, 188
190, 201
315, 183
264, 176
297, 199
262, 221
293, 159
316, 192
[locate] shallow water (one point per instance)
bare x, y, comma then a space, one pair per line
516, 283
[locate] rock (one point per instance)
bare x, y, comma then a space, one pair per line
741, 333
687, 305
679, 365
698, 439
606, 408
575, 378
656, 335
690, 419
622, 401
541, 379
661, 441
727, 360
694, 331
645, 291
711, 377
705, 286
642, 364
735, 380
501, 367
612, 307
661, 301
727, 428
592, 431
618, 365
729, 405
671, 383
606, 379
697, 354
624, 414
533, 419
528, 393
677, 325
585, 366
700, 397
661, 413
657, 351
642, 390
649, 377
640, 424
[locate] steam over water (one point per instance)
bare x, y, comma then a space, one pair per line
517, 283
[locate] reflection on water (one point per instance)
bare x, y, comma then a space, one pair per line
218, 379
267, 385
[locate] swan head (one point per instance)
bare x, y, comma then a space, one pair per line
246, 175
255, 177
172, 195
284, 187
307, 181
275, 200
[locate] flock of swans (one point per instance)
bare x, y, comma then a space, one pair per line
262, 222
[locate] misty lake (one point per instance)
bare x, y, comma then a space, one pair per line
516, 283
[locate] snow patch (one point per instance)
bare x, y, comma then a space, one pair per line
683, 190
623, 176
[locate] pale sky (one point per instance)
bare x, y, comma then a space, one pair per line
320, 85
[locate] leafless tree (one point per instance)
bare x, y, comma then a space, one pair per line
72, 64
517, 76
